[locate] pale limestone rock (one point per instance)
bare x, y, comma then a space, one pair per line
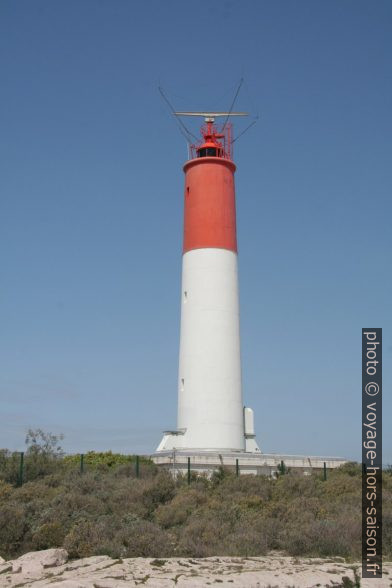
5, 566
257, 572
36, 561
89, 561
112, 583
71, 584
16, 567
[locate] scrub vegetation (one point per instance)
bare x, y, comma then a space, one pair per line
107, 509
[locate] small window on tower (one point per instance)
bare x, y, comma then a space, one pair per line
182, 384
185, 295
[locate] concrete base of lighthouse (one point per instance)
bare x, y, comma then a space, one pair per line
173, 455
206, 462
180, 440
176, 441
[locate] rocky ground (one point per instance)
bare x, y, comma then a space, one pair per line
52, 568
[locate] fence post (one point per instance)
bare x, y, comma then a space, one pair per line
237, 467
325, 471
137, 467
282, 467
21, 467
189, 470
81, 463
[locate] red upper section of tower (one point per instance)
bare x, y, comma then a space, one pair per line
209, 209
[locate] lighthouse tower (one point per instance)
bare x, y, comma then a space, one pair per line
214, 429
211, 415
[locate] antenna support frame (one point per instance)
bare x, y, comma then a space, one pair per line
210, 144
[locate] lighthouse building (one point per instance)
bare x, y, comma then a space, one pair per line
213, 427
211, 415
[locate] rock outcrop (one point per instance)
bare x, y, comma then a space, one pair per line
51, 568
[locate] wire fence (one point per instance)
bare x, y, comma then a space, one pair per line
17, 468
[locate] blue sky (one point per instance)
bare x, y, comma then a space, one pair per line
91, 212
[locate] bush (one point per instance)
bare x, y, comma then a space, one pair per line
12, 528
9, 466
48, 535
5, 490
106, 510
177, 511
125, 537
93, 459
160, 491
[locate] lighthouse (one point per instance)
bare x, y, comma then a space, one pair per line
214, 428
211, 414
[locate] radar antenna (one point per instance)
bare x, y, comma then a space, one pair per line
211, 134
210, 116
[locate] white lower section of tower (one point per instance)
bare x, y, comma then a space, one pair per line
210, 408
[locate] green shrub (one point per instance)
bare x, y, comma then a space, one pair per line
83, 539
160, 491
126, 537
94, 459
324, 538
107, 510
12, 528
48, 535
5, 490
177, 511
9, 466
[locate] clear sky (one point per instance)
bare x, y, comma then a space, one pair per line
91, 212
